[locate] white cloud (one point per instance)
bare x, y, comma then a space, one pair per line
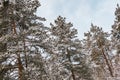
80, 12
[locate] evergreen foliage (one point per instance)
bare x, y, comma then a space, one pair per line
31, 51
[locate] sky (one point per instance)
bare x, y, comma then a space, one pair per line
80, 12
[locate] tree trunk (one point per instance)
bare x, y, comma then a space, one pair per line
25, 52
72, 71
107, 62
20, 66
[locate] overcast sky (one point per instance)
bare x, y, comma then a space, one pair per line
80, 12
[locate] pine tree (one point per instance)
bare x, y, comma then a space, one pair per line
68, 50
18, 24
115, 42
97, 46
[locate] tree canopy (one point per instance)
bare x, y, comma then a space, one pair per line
29, 50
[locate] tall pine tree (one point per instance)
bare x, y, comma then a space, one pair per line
68, 50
